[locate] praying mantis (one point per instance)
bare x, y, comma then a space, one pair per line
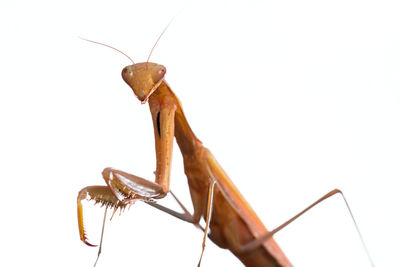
230, 222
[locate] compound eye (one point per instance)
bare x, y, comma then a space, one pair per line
158, 73
127, 74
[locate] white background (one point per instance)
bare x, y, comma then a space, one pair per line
294, 98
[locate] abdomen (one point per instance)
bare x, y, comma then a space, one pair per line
227, 228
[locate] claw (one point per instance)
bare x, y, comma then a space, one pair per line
100, 194
90, 245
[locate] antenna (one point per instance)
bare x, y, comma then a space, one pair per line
109, 47
159, 37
